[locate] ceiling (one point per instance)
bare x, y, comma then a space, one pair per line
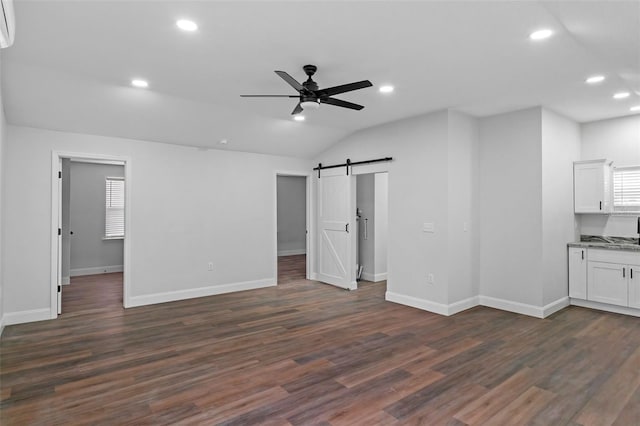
72, 62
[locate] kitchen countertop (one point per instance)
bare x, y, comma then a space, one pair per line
607, 246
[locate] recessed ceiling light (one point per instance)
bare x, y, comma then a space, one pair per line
385, 89
635, 108
139, 83
621, 95
224, 141
595, 79
186, 25
540, 34
298, 117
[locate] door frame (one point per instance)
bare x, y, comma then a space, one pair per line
373, 169
56, 202
309, 221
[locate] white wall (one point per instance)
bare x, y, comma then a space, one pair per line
188, 207
381, 225
90, 252
3, 143
510, 207
462, 181
418, 193
526, 209
292, 215
560, 148
617, 139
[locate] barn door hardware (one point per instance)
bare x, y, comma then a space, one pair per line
348, 163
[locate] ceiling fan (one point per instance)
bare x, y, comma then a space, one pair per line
310, 96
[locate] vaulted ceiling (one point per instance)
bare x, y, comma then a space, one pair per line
72, 63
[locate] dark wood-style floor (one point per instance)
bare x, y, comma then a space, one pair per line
307, 353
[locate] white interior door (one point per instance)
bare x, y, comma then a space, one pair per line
336, 221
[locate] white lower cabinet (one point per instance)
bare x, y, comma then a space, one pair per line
605, 276
634, 286
578, 272
607, 283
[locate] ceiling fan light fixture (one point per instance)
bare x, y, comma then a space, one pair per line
298, 117
309, 104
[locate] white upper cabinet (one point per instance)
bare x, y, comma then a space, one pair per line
592, 186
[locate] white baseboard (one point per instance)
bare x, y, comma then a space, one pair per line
606, 307
291, 252
1, 325
374, 277
96, 270
20, 317
463, 305
172, 296
313, 276
66, 280
491, 302
523, 308
556, 306
414, 302
511, 306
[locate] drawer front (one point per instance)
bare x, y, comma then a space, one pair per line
614, 256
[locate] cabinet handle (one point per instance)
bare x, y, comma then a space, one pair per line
600, 205
631, 271
582, 254
346, 228
623, 272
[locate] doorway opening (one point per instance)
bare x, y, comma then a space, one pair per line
372, 223
292, 218
90, 210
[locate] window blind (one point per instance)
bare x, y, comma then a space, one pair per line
626, 189
114, 208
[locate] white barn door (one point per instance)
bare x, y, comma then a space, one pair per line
336, 228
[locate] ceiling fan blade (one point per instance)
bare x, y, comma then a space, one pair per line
269, 96
297, 109
292, 81
341, 103
330, 91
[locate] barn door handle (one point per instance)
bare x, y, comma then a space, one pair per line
346, 228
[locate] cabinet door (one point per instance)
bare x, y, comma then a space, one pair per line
634, 286
607, 283
578, 273
590, 188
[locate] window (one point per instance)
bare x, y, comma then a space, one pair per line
626, 189
114, 208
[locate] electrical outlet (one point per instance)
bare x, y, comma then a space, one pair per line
210, 266
430, 279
